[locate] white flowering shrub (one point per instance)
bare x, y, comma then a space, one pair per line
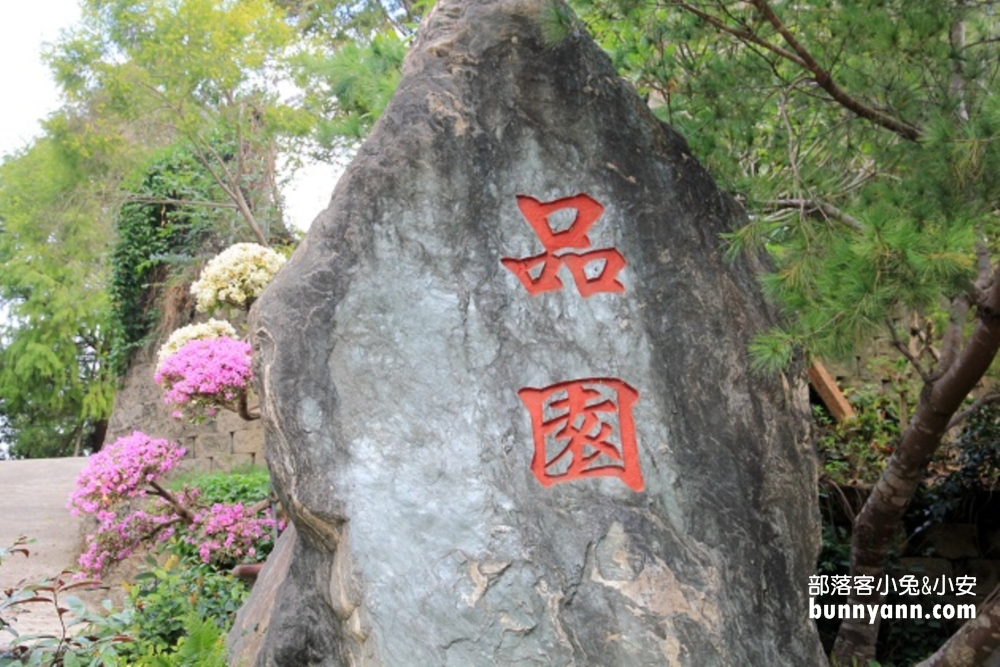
236, 276
212, 329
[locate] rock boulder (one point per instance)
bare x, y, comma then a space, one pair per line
508, 400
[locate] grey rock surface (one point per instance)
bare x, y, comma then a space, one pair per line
392, 348
252, 621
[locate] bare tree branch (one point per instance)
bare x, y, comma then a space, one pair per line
184, 512
905, 351
975, 642
878, 520
179, 202
985, 399
230, 185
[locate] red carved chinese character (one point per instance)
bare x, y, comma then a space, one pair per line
605, 263
584, 428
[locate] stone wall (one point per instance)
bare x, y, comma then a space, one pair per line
223, 443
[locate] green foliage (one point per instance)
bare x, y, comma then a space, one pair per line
143, 633
334, 23
203, 645
77, 643
176, 615
557, 23
856, 450
862, 222
973, 471
912, 641
203, 72
54, 386
165, 597
350, 87
247, 486
156, 232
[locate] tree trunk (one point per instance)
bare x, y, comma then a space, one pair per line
975, 641
96, 439
881, 515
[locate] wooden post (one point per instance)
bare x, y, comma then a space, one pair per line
828, 390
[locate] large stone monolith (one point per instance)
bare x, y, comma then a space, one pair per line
508, 399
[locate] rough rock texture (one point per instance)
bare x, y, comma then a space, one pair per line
254, 618
392, 348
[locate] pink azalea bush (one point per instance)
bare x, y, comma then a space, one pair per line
205, 375
113, 488
121, 471
229, 533
117, 538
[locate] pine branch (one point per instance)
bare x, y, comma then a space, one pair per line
741, 33
810, 205
825, 81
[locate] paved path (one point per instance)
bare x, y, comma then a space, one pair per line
33, 498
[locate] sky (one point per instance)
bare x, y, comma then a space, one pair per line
28, 94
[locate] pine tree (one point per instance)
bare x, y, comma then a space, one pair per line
863, 138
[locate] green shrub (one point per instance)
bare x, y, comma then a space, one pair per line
856, 450
244, 485
165, 595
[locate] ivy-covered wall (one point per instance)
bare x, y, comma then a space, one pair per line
174, 219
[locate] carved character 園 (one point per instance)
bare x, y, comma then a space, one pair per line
584, 428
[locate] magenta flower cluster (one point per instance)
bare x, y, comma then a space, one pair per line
229, 533
118, 538
112, 478
121, 471
205, 375
114, 486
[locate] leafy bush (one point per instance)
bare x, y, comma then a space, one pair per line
974, 469
175, 614
856, 450
166, 597
84, 637
242, 489
247, 485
